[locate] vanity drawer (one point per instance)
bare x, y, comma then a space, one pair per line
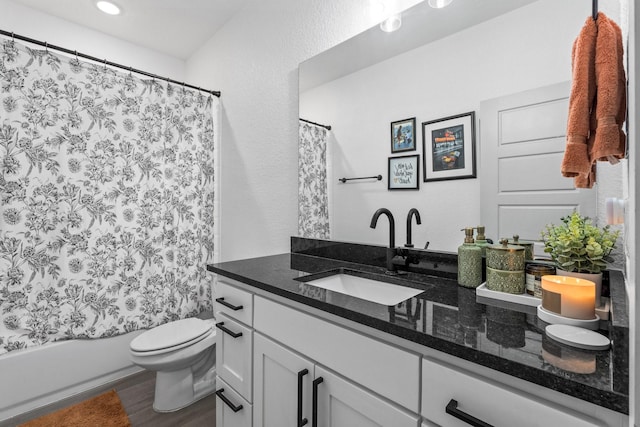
487, 401
234, 347
382, 368
234, 303
231, 409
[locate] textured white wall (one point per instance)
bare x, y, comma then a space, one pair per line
254, 61
40, 26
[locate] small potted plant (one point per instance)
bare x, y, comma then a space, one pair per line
579, 248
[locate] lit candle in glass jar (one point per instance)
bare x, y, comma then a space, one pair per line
569, 296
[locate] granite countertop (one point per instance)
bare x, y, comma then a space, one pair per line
446, 317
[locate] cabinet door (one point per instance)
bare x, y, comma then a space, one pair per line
282, 386
380, 367
341, 403
233, 354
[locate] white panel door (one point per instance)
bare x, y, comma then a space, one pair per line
522, 141
343, 404
282, 386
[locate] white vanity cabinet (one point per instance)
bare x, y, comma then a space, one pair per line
288, 387
454, 397
301, 361
387, 370
356, 379
234, 348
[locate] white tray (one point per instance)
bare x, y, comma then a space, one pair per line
524, 299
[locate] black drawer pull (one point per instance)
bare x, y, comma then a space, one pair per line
226, 400
301, 421
228, 331
314, 413
226, 304
452, 409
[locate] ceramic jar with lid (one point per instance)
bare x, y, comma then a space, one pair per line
505, 267
526, 244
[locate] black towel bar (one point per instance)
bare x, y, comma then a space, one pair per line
378, 177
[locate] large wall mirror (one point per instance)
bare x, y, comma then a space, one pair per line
440, 63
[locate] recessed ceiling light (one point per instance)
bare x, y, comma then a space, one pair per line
391, 24
439, 4
108, 7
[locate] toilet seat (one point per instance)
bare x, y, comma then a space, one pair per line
171, 336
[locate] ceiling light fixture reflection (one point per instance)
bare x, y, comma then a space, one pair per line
108, 7
439, 4
391, 24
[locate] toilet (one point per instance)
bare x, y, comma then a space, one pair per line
183, 355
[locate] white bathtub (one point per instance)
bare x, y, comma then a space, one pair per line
38, 376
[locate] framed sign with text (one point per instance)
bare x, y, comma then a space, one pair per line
404, 173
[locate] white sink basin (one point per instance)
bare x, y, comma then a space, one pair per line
366, 289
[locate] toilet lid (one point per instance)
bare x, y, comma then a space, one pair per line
171, 334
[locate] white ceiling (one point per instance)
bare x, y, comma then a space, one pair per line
174, 27
421, 24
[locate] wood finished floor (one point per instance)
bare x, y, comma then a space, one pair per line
136, 394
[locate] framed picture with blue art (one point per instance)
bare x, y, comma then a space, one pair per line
403, 135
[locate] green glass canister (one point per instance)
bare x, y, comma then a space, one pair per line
526, 244
469, 261
505, 268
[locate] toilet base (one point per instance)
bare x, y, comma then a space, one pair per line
176, 389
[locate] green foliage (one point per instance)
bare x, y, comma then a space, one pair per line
578, 245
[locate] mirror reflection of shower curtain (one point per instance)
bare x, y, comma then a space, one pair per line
106, 187
313, 196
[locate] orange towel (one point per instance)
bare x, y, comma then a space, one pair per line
597, 105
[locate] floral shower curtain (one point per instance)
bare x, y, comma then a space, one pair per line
313, 199
106, 186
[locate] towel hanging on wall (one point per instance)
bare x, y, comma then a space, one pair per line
597, 105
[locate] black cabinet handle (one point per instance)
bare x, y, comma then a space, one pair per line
452, 409
228, 331
314, 413
226, 304
301, 421
226, 400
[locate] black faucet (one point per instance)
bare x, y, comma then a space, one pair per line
412, 212
391, 250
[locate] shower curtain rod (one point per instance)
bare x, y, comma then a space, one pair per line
327, 127
104, 61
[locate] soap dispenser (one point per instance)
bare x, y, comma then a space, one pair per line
481, 239
469, 261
